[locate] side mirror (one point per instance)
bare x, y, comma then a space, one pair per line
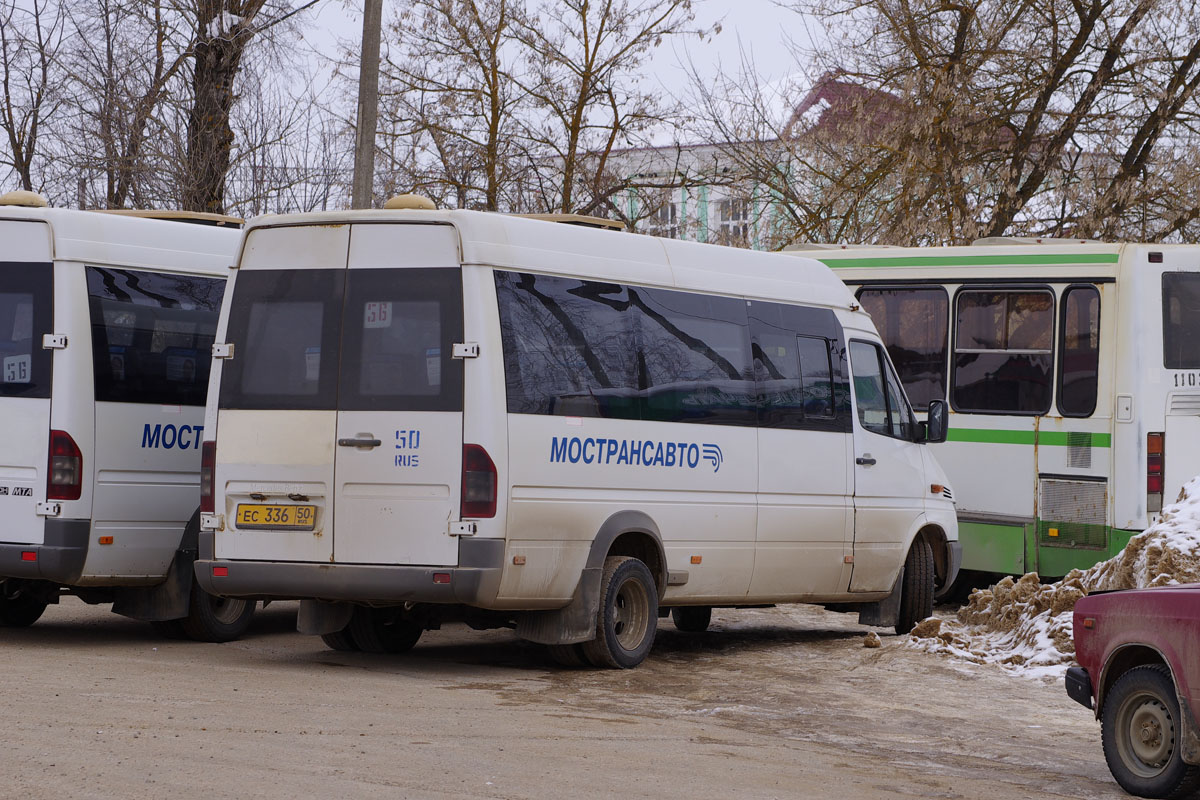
938, 422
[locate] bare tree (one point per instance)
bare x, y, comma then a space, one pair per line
30, 39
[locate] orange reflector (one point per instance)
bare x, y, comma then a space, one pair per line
220, 572
847, 559
1154, 443
1052, 532
441, 577
697, 559
106, 540
1089, 622
29, 555
519, 561
936, 488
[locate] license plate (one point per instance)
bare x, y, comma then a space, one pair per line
276, 517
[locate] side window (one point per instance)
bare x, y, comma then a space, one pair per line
152, 335
26, 300
913, 324
1181, 320
570, 346
798, 367
1003, 352
693, 361
882, 406
1080, 351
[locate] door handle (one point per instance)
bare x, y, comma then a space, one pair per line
365, 441
865, 461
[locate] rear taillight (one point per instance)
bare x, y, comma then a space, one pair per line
64, 478
208, 461
478, 483
1155, 453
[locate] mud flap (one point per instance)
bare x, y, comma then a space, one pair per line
319, 617
574, 622
164, 601
1190, 741
886, 612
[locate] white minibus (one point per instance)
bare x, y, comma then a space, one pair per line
1072, 370
418, 416
106, 329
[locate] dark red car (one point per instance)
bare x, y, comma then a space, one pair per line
1139, 668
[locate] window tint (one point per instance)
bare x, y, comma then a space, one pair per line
913, 324
1002, 351
694, 357
1080, 357
26, 303
882, 407
152, 335
570, 346
1181, 320
397, 346
285, 327
798, 367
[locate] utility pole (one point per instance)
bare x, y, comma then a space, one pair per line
368, 105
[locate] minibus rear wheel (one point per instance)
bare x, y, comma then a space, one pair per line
381, 630
568, 655
340, 640
21, 610
628, 615
216, 619
916, 595
692, 619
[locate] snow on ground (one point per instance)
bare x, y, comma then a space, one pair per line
1025, 626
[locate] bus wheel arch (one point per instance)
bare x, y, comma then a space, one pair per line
633, 534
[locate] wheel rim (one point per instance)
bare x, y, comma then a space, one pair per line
227, 610
631, 614
1148, 735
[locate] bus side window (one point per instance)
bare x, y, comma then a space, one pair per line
1080, 345
913, 323
1003, 351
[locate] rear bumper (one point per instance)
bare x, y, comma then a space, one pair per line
59, 558
475, 581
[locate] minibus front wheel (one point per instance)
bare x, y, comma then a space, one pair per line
216, 619
20, 606
628, 615
916, 593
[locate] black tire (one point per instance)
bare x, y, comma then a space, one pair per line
916, 593
568, 655
21, 610
169, 628
628, 615
692, 619
1141, 729
340, 640
376, 630
216, 619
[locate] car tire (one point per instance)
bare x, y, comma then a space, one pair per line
377, 630
570, 656
628, 616
216, 619
692, 619
916, 593
340, 640
1141, 729
22, 610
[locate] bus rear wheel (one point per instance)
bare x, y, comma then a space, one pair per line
381, 630
692, 619
628, 615
216, 619
20, 609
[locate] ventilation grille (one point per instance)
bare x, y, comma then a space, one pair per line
1079, 450
1185, 404
1072, 513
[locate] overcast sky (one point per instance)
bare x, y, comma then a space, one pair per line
760, 27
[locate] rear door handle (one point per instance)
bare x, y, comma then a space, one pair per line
865, 461
359, 442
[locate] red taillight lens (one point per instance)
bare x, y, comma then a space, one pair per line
478, 483
64, 478
208, 461
1155, 454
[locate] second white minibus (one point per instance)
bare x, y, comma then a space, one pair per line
421, 415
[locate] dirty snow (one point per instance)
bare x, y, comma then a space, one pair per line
1025, 626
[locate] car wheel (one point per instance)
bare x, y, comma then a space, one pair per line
692, 619
1141, 730
916, 593
379, 630
216, 619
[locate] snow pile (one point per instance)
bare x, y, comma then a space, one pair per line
1025, 626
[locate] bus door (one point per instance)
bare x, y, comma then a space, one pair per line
398, 459
26, 315
889, 475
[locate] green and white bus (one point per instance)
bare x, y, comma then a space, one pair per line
1072, 371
